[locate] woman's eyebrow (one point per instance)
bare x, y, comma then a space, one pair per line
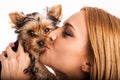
68, 25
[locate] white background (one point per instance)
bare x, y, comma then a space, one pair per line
7, 34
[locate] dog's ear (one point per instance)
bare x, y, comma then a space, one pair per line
55, 12
16, 18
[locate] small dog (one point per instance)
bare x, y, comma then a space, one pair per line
33, 30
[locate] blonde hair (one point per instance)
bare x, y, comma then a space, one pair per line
104, 36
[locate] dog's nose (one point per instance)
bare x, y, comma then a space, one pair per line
41, 43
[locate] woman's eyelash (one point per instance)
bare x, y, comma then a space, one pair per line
67, 33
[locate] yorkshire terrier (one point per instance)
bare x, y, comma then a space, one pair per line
33, 30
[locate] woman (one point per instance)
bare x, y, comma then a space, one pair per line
86, 47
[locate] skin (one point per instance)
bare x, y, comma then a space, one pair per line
14, 64
67, 51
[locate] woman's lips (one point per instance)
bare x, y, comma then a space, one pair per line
47, 47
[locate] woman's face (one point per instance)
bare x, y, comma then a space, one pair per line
68, 50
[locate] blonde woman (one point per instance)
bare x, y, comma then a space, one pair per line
86, 47
104, 37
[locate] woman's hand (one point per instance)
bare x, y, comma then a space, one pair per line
14, 63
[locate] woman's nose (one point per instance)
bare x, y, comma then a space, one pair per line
52, 35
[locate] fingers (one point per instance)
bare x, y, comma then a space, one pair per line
10, 53
20, 48
3, 56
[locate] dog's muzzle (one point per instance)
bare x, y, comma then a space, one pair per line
41, 43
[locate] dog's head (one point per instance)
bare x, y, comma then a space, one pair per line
34, 28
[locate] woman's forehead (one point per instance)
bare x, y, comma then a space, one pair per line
77, 19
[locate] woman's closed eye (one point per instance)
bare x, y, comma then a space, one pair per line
67, 32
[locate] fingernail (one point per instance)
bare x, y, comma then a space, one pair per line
12, 44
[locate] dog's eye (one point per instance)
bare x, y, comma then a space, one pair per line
46, 30
31, 33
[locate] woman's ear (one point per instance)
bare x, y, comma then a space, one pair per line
86, 67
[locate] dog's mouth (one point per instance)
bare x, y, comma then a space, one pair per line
44, 50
